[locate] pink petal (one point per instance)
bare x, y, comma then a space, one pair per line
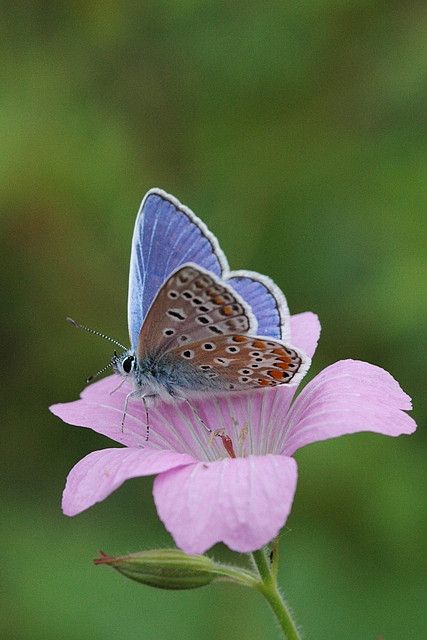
175, 427
172, 426
305, 332
102, 472
101, 410
242, 502
347, 397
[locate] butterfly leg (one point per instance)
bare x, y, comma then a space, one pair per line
132, 394
218, 433
118, 387
195, 412
145, 401
198, 416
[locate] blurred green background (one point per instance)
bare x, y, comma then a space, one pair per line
297, 131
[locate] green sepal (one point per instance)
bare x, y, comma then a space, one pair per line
164, 568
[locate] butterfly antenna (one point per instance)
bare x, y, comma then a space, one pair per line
96, 333
98, 373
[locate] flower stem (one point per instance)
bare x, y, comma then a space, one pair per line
236, 575
270, 590
274, 556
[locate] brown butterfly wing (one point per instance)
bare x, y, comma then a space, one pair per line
192, 305
239, 362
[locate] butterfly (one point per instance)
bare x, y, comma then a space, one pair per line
196, 328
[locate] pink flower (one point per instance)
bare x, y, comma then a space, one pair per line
202, 495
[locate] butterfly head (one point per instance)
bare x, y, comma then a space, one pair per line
146, 378
124, 364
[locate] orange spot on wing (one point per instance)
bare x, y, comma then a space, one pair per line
279, 352
274, 373
263, 382
218, 300
282, 365
228, 310
259, 344
212, 291
239, 339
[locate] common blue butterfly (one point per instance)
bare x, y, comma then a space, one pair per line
196, 327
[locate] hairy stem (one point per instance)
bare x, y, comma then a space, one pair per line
270, 590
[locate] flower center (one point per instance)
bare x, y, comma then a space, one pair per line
218, 427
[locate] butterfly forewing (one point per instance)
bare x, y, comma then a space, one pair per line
192, 305
240, 362
167, 235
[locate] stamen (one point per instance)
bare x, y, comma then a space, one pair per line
243, 434
226, 441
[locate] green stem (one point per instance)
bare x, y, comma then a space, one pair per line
269, 588
275, 548
237, 575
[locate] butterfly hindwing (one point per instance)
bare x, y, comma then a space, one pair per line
266, 300
239, 362
193, 304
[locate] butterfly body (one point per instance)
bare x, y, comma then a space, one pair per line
165, 377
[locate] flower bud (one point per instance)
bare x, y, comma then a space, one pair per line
164, 568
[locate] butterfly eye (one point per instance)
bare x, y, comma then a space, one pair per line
127, 364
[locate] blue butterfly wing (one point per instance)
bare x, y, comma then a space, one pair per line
166, 235
266, 300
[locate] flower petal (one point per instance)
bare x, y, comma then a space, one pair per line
242, 502
101, 409
102, 472
347, 397
174, 426
305, 332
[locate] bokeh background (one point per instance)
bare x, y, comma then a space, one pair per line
297, 131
